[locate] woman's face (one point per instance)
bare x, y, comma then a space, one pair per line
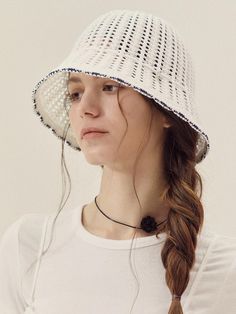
95, 104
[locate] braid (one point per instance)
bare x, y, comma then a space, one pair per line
186, 215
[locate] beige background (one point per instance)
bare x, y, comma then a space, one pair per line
37, 35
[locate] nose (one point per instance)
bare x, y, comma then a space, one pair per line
88, 104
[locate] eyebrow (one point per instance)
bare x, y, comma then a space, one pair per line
76, 79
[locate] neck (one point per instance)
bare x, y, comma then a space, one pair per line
117, 199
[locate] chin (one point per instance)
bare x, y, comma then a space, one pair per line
94, 161
97, 157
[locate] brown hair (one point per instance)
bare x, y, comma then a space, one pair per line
185, 219
186, 215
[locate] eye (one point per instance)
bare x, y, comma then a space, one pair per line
73, 97
110, 85
76, 95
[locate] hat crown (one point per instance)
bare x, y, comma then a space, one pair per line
136, 49
149, 40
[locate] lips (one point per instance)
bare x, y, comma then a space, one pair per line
92, 130
91, 135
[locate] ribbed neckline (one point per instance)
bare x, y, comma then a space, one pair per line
93, 239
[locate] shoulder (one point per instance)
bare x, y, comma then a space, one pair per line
222, 264
9, 238
218, 251
217, 243
30, 230
16, 246
24, 230
58, 226
214, 273
223, 246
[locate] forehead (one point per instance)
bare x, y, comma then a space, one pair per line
83, 77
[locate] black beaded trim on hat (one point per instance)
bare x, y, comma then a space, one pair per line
142, 91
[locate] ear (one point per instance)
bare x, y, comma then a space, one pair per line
167, 125
166, 122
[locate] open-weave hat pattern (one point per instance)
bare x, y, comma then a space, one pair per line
136, 49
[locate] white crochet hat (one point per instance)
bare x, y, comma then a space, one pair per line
136, 49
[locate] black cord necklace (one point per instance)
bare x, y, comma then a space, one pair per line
148, 223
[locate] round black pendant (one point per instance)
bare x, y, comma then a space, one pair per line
148, 224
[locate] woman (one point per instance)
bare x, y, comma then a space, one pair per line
124, 97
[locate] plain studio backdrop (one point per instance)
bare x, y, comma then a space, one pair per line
36, 36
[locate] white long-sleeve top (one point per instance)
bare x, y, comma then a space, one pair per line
87, 274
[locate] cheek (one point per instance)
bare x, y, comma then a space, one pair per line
137, 114
137, 129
